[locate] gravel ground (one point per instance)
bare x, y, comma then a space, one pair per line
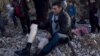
83, 46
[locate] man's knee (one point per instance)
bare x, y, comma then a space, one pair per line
43, 42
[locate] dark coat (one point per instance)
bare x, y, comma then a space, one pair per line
64, 23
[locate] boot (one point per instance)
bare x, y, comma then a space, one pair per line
23, 52
38, 53
35, 54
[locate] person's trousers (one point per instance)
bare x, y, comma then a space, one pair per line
94, 22
42, 7
14, 20
2, 29
25, 23
55, 41
73, 21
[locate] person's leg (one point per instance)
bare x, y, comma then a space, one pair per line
23, 24
93, 28
42, 43
28, 24
14, 20
31, 37
73, 23
42, 7
2, 31
98, 27
50, 46
92, 25
97, 24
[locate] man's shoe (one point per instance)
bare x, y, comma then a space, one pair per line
34, 54
23, 52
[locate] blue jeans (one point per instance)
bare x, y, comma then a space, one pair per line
51, 45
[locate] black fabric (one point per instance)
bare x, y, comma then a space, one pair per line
24, 19
25, 23
28, 46
94, 20
62, 22
42, 7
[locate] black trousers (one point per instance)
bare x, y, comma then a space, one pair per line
25, 23
73, 21
94, 22
42, 7
2, 29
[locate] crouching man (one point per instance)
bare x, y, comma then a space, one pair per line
58, 25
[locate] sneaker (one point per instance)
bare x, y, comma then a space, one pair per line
23, 52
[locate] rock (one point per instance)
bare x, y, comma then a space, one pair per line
81, 44
97, 54
92, 52
59, 53
74, 45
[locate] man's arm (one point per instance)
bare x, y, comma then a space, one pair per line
65, 23
46, 24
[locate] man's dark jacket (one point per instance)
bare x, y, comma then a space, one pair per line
64, 23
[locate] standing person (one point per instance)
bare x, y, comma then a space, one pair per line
21, 11
92, 16
72, 12
11, 14
42, 8
58, 25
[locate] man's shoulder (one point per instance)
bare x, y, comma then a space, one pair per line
50, 13
64, 14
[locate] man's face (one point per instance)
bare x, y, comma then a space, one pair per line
56, 9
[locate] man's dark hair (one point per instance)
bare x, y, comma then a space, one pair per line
58, 3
